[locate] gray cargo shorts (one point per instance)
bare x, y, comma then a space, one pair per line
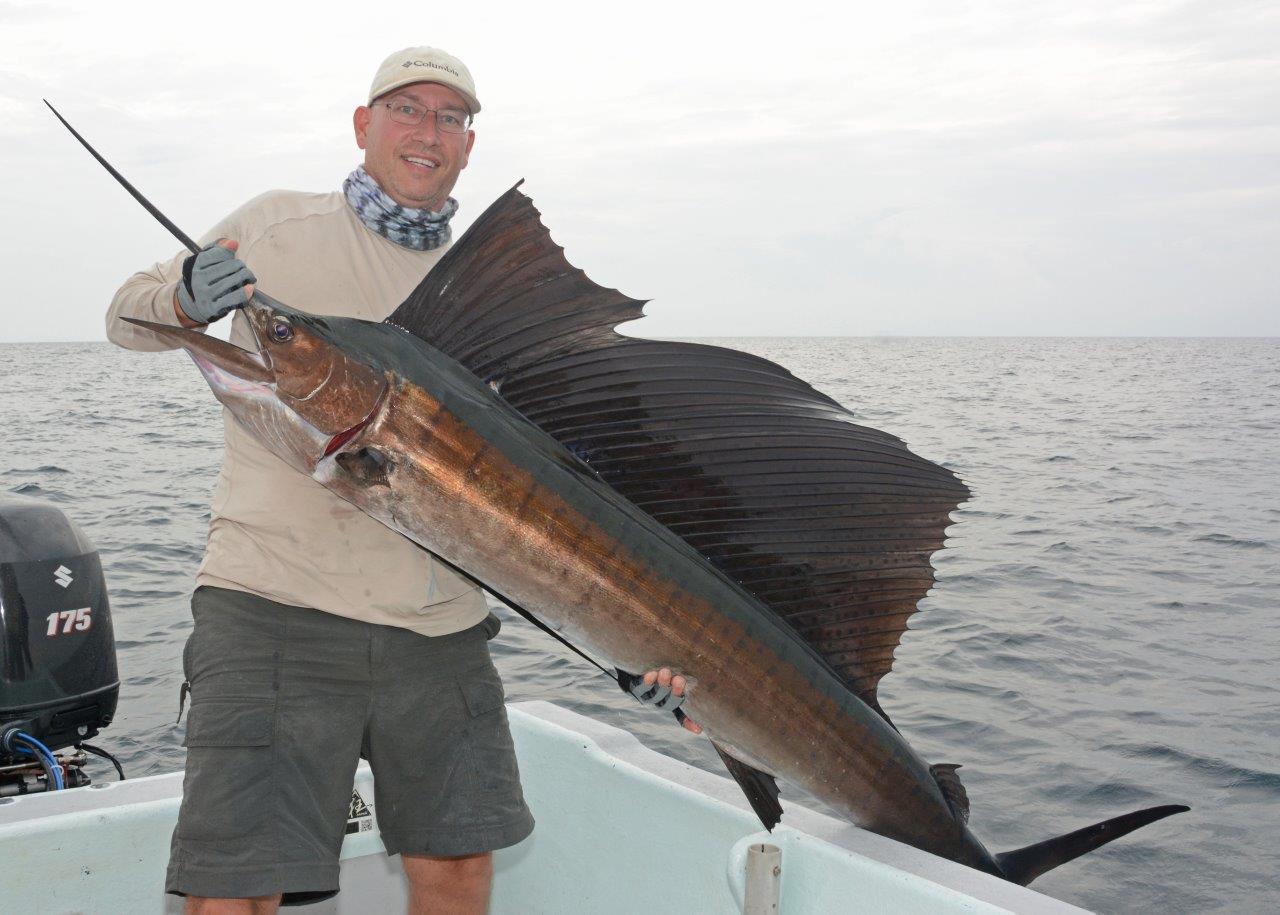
284, 702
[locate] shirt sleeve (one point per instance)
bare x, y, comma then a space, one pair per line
148, 294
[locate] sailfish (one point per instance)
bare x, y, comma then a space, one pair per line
658, 504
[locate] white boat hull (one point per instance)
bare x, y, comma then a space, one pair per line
599, 797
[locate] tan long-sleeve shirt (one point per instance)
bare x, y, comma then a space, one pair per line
274, 531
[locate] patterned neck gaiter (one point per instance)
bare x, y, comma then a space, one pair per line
420, 230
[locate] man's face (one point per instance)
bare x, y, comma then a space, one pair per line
416, 164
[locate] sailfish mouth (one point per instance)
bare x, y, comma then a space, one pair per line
216, 358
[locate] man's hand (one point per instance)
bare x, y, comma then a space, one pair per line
213, 283
664, 690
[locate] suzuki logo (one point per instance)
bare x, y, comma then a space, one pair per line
62, 575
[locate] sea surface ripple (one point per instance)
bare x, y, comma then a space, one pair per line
1103, 634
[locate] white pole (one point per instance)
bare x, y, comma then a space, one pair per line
764, 880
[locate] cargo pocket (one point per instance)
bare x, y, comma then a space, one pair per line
492, 754
229, 781
187, 648
185, 689
484, 696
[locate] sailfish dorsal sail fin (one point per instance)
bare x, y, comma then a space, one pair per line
829, 523
504, 296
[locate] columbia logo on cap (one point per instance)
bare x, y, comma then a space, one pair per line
432, 64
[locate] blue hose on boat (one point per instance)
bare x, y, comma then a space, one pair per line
28, 744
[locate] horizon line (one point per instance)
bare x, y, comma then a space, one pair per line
868, 336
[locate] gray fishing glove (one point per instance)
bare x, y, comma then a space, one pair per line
213, 284
652, 695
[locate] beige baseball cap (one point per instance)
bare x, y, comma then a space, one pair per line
425, 65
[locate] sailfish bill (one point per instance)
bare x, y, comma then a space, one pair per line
657, 503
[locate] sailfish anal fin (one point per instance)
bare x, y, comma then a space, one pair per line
761, 788
829, 523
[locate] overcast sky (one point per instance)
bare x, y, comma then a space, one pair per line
951, 168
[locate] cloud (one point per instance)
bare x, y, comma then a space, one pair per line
23, 13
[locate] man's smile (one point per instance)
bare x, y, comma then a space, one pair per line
421, 162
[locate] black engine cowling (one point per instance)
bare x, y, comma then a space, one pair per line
58, 678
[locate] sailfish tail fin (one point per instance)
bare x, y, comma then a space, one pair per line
1026, 864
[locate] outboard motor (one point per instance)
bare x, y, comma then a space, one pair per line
58, 679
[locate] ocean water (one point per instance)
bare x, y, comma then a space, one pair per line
1103, 635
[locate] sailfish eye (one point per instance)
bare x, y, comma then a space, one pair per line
281, 330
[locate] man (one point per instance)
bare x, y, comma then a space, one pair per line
321, 636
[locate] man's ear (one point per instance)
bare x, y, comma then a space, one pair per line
466, 153
360, 121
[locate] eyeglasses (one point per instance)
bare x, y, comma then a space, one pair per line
407, 111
